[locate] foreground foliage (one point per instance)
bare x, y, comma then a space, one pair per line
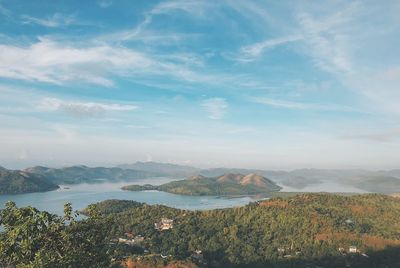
306, 230
34, 238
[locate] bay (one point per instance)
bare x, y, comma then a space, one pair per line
81, 195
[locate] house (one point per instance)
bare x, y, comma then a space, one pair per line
122, 240
131, 241
353, 249
138, 239
164, 224
197, 255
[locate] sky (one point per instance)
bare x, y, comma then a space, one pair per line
250, 84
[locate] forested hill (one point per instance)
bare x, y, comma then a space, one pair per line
304, 230
308, 230
17, 182
84, 174
227, 184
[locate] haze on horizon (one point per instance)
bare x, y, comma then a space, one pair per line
247, 84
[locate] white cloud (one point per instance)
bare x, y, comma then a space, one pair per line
330, 38
56, 20
216, 107
82, 109
278, 103
58, 63
139, 32
254, 51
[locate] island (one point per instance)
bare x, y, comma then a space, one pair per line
19, 182
228, 184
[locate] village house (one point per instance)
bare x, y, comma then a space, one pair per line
198, 255
164, 224
353, 249
131, 241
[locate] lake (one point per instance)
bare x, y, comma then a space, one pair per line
81, 195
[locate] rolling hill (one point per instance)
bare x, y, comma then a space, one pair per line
306, 230
18, 182
84, 174
228, 184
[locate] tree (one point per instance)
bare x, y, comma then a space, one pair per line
34, 238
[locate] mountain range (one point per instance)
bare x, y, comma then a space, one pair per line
382, 181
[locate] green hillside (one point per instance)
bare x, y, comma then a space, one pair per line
18, 182
228, 184
307, 230
84, 174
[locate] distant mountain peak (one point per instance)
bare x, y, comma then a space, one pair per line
196, 177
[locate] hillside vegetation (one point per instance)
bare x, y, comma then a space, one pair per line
84, 174
307, 229
18, 182
228, 184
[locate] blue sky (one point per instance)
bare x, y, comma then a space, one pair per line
258, 84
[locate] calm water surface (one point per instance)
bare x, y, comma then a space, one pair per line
81, 195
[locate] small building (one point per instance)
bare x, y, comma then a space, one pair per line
197, 255
122, 240
131, 241
281, 250
353, 249
164, 224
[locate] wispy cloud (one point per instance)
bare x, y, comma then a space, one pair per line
215, 107
82, 109
105, 3
57, 63
284, 104
102, 59
139, 32
328, 38
56, 20
254, 51
6, 12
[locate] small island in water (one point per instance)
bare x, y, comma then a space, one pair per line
228, 184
